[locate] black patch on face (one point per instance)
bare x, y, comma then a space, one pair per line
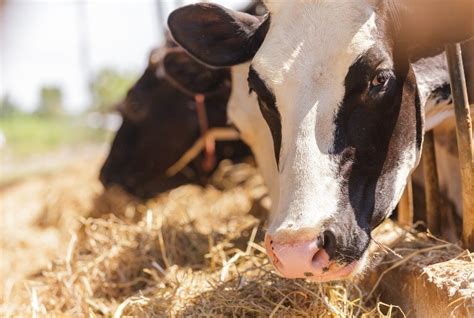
351, 245
267, 103
376, 114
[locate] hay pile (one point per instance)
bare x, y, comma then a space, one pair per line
38, 214
191, 252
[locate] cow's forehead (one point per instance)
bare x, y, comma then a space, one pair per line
314, 42
307, 35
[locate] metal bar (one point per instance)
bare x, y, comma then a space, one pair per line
432, 193
405, 206
464, 138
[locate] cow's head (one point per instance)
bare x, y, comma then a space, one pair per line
335, 85
160, 124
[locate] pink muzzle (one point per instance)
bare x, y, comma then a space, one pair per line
305, 260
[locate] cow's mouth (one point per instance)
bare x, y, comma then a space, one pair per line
335, 272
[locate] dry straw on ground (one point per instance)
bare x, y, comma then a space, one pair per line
191, 252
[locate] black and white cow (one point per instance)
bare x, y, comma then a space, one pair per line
336, 86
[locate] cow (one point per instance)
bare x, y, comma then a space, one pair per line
336, 86
160, 123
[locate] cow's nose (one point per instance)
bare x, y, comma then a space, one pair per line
308, 259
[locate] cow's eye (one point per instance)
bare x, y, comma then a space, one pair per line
381, 78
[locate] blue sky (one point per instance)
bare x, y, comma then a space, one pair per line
64, 42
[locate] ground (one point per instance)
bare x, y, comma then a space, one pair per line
71, 248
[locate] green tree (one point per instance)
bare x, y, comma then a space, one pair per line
108, 88
51, 102
8, 107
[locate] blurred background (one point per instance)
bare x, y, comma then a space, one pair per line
64, 65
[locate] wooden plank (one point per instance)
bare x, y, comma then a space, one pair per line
430, 280
432, 193
413, 291
464, 138
405, 206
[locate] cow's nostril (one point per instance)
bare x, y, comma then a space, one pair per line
329, 243
308, 258
271, 250
320, 241
316, 256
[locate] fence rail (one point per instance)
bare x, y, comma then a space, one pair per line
459, 91
464, 138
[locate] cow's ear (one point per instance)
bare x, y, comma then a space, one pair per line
218, 36
188, 73
425, 26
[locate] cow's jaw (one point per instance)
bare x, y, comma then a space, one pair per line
243, 111
304, 61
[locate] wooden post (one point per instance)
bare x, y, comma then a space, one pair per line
432, 194
405, 206
464, 138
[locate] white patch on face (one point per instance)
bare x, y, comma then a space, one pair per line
304, 60
243, 111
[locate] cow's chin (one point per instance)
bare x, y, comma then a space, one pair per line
336, 272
